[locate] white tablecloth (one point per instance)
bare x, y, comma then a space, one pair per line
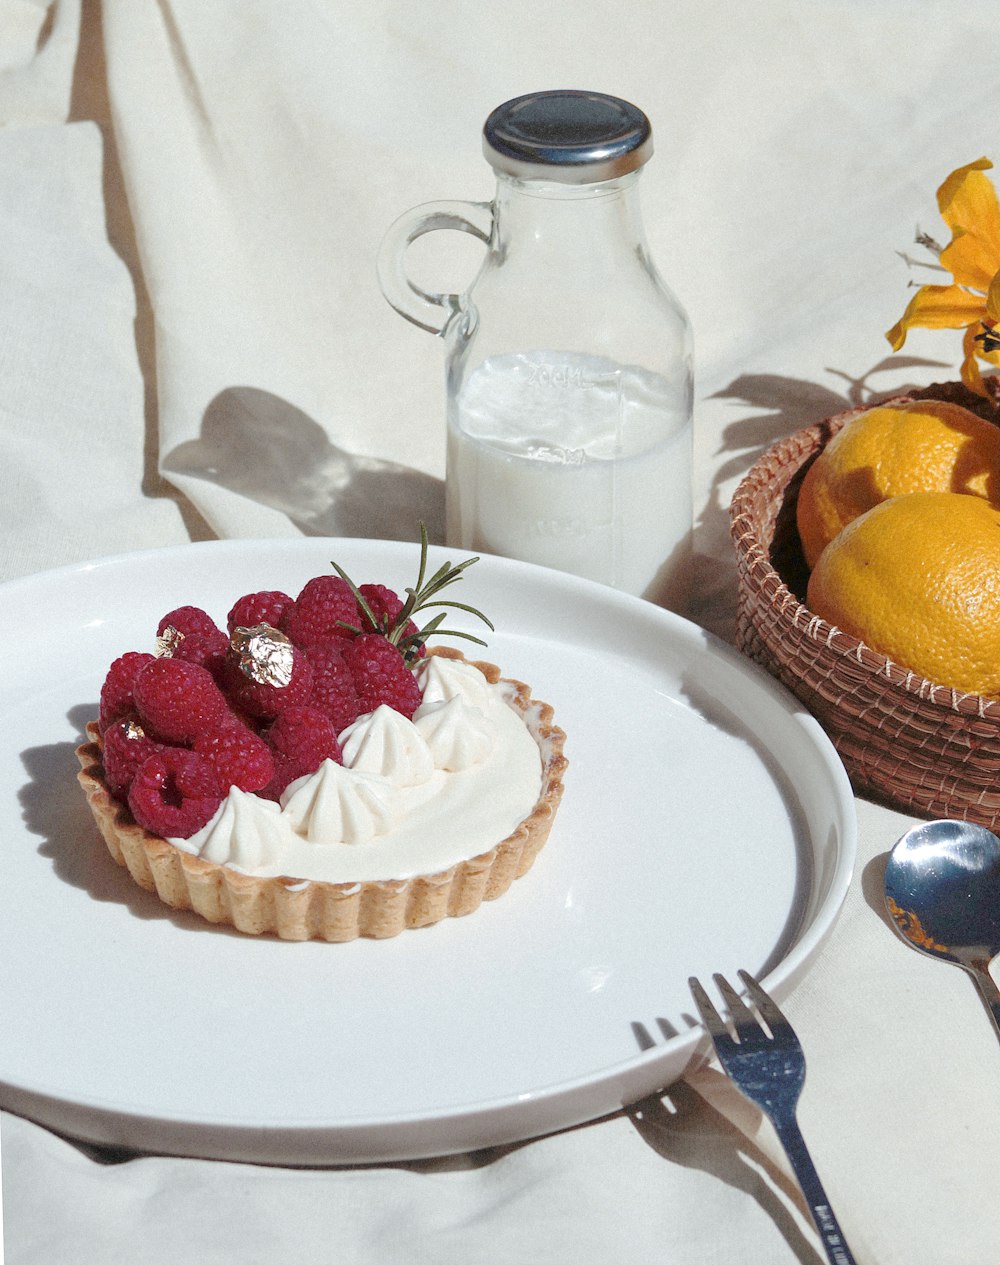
193, 343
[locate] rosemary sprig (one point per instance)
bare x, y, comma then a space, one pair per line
420, 597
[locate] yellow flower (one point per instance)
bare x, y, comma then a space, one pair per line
968, 205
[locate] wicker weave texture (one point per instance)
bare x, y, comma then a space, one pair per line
919, 746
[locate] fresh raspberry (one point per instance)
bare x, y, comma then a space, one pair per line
178, 700
285, 772
126, 747
301, 739
186, 620
266, 607
333, 689
238, 756
261, 699
306, 735
386, 606
381, 675
174, 793
208, 650
317, 613
116, 692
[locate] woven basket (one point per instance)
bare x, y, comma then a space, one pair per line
916, 745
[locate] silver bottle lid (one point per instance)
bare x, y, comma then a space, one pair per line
568, 136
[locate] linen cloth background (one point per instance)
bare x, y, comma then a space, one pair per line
193, 343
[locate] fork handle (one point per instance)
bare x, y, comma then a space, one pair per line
834, 1243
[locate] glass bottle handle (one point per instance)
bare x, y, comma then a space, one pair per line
428, 310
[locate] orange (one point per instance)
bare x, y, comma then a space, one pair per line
917, 446
918, 579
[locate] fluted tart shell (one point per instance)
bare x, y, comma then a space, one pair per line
302, 909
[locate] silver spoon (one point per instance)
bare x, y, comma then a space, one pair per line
942, 891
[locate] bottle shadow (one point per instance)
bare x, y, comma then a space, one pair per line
260, 446
781, 406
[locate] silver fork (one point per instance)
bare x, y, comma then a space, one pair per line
770, 1071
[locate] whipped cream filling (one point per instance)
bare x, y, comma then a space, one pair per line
412, 797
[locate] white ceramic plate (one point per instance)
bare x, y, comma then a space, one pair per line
707, 825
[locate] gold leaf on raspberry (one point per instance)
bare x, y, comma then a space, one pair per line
266, 654
168, 641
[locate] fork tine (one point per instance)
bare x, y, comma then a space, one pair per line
710, 1017
742, 1016
765, 1004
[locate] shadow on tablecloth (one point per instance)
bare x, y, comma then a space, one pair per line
264, 448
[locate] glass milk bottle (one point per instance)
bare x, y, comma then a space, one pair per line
569, 377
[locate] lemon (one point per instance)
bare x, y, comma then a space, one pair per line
890, 450
918, 579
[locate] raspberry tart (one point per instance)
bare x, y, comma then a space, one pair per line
313, 770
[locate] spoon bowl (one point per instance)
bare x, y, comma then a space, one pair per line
942, 891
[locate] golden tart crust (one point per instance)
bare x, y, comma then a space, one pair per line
305, 909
